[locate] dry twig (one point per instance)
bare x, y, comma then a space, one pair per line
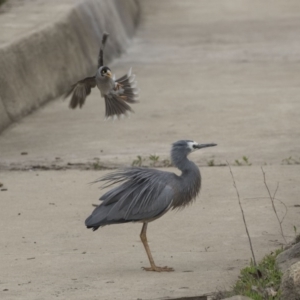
272, 198
242, 211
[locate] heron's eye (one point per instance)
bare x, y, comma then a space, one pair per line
194, 146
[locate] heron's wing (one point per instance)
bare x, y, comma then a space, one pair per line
80, 91
125, 91
144, 195
142, 203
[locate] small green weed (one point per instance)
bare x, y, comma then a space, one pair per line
261, 282
153, 160
211, 162
258, 283
238, 163
138, 161
166, 163
97, 165
295, 230
297, 235
243, 162
290, 161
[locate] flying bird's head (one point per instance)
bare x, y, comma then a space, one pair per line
105, 72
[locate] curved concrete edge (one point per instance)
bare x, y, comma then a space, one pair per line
39, 67
5, 120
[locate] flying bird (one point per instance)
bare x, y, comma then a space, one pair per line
144, 195
116, 93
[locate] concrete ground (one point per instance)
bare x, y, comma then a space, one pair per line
47, 252
225, 72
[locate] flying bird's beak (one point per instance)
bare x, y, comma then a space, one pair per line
108, 74
199, 146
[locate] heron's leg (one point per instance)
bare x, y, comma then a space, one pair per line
153, 267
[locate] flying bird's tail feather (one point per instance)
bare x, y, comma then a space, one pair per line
125, 92
116, 106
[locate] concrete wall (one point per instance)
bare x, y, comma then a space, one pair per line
39, 67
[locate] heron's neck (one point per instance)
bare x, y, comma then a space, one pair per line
181, 162
186, 166
190, 182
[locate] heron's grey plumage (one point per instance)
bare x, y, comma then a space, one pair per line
144, 194
116, 93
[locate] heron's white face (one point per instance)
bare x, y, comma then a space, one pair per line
191, 145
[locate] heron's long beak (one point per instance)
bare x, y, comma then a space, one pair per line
199, 146
108, 74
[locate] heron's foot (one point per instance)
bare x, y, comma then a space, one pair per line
158, 269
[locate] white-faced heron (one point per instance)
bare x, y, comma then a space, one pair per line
145, 194
116, 93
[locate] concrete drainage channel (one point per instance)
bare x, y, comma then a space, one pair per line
65, 32
30, 91
52, 46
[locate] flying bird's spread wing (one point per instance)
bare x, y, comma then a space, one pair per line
143, 195
100, 56
116, 100
80, 91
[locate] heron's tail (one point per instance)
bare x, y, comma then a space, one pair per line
100, 217
97, 218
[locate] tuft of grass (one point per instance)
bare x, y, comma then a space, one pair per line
261, 282
97, 165
244, 162
237, 162
290, 161
295, 230
297, 235
137, 162
153, 159
166, 163
211, 163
